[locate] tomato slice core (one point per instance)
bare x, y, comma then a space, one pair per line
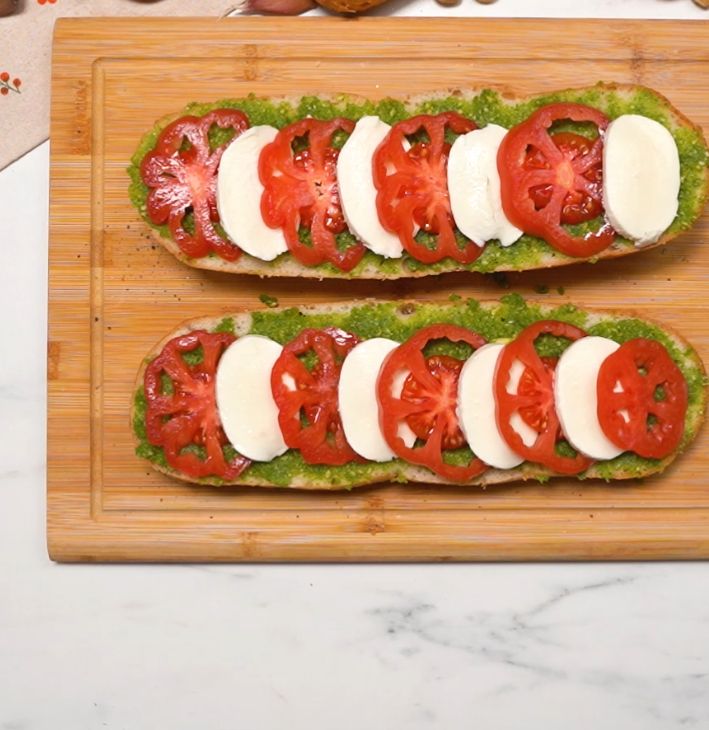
307, 400
299, 173
642, 399
550, 179
579, 205
181, 174
439, 404
533, 398
181, 414
412, 187
426, 401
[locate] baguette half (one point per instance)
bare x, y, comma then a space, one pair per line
303, 476
483, 105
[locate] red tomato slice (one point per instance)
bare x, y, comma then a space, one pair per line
412, 186
181, 172
579, 206
446, 371
188, 415
547, 180
642, 399
534, 399
308, 407
300, 190
426, 402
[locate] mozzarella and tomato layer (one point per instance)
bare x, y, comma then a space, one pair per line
445, 399
432, 187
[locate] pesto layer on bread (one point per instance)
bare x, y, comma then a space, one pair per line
494, 321
483, 107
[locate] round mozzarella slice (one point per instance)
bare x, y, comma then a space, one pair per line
576, 396
476, 409
358, 195
357, 394
474, 187
239, 192
641, 177
248, 413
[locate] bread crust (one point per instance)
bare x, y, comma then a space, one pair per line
527, 471
288, 266
350, 6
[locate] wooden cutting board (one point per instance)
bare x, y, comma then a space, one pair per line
114, 293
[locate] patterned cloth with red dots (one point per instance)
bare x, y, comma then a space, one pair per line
7, 85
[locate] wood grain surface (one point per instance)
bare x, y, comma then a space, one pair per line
114, 293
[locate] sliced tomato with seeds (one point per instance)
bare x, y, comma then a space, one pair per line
299, 173
426, 401
552, 179
443, 402
580, 205
642, 399
531, 398
181, 174
411, 178
307, 400
535, 414
181, 414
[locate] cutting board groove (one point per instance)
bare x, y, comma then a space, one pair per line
114, 293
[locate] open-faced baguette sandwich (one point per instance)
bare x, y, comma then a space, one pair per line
467, 392
479, 181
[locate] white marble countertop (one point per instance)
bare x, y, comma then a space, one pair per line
382, 647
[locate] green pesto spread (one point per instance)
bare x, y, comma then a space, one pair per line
399, 321
485, 108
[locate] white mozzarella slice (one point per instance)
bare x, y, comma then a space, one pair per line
474, 187
403, 430
357, 395
518, 424
358, 195
528, 435
515, 375
641, 177
239, 192
576, 396
476, 409
248, 413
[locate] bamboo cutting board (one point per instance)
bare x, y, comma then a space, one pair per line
114, 293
